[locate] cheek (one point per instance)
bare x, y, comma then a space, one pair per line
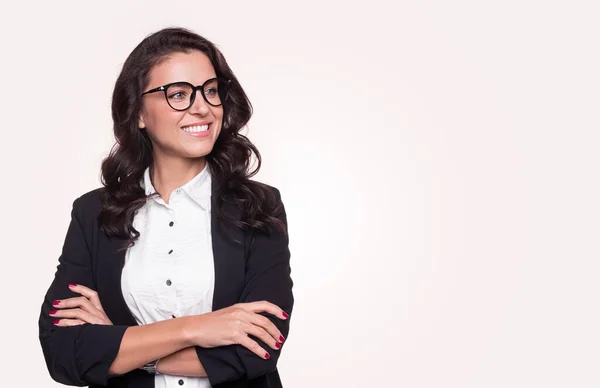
217, 133
163, 128
220, 118
220, 126
163, 120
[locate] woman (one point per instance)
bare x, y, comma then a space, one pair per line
175, 272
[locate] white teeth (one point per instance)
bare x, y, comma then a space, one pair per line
200, 128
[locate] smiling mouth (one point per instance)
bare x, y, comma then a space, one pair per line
196, 128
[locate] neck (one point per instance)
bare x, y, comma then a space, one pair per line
168, 173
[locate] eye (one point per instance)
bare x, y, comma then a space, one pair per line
178, 95
211, 91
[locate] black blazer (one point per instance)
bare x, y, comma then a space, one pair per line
258, 269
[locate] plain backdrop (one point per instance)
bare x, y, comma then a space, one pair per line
438, 161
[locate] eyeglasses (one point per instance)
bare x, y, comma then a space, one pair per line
181, 95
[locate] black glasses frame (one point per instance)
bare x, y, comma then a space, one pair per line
222, 83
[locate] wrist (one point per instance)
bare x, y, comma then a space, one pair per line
190, 329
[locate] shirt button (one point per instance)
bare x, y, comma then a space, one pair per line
171, 223
168, 282
180, 382
171, 251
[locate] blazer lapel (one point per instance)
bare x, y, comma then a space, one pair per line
228, 255
111, 258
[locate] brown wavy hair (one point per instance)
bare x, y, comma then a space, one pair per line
229, 160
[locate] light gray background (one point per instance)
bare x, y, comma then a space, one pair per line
438, 161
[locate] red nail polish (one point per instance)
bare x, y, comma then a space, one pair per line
277, 345
72, 285
281, 338
56, 321
267, 356
56, 303
52, 312
285, 315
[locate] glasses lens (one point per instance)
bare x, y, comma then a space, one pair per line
179, 95
215, 91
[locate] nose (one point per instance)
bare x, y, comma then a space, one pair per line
199, 106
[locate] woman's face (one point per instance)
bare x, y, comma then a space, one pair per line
166, 127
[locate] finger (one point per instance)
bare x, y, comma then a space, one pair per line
88, 293
77, 313
254, 347
264, 336
67, 322
78, 301
81, 302
269, 327
264, 306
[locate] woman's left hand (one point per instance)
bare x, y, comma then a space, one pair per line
79, 310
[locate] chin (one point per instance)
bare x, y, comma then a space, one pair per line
196, 152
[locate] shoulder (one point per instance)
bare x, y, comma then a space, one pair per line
88, 204
272, 189
270, 196
273, 205
262, 189
258, 193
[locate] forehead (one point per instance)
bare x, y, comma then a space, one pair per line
193, 67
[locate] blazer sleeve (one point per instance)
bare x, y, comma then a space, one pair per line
267, 278
76, 355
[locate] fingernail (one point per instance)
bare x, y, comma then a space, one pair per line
72, 285
267, 356
285, 315
56, 303
52, 312
56, 321
277, 345
281, 338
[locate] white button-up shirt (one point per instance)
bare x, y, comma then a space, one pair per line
169, 272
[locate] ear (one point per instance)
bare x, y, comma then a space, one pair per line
141, 123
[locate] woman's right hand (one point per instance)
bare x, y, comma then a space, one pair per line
233, 324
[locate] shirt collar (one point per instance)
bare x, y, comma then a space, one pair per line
198, 188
